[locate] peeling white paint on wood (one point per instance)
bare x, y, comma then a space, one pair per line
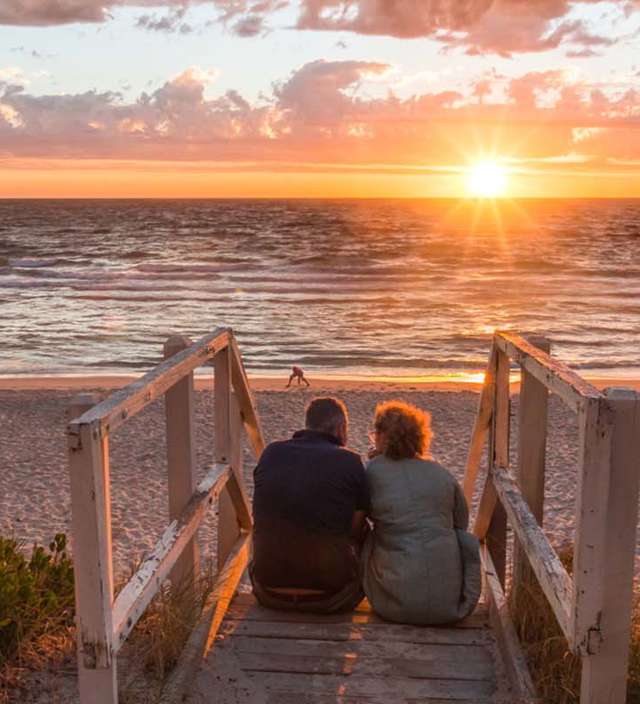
596, 427
126, 402
145, 583
103, 625
91, 544
556, 584
556, 376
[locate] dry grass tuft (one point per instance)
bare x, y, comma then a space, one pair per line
38, 639
555, 669
153, 648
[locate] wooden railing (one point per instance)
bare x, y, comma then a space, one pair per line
104, 623
593, 606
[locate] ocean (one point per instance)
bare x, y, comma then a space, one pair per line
354, 287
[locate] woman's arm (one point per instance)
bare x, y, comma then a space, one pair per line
460, 508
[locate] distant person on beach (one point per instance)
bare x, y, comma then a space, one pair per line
309, 506
297, 373
419, 563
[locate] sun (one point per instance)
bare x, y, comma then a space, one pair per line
487, 179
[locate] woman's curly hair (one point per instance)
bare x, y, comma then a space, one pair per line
406, 430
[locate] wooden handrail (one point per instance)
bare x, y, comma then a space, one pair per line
480, 427
556, 584
555, 375
104, 624
126, 402
593, 608
135, 596
248, 411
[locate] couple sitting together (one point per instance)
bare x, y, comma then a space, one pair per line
328, 532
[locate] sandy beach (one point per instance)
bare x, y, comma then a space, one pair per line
34, 486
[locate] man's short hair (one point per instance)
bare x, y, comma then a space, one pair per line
326, 415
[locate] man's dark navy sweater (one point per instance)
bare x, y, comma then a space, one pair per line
306, 492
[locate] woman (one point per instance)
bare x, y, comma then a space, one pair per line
420, 565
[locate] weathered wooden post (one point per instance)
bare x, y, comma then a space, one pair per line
481, 427
88, 454
181, 458
532, 440
595, 418
499, 455
604, 672
225, 430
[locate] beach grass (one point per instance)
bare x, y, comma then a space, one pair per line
153, 648
37, 631
36, 609
555, 669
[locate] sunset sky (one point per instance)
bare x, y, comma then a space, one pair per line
318, 97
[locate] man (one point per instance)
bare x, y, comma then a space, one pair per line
309, 507
297, 373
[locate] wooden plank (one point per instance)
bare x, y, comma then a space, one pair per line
247, 600
391, 687
595, 423
477, 654
204, 634
488, 502
222, 405
555, 375
335, 698
181, 458
241, 503
532, 438
141, 588
512, 656
604, 675
556, 584
258, 613
481, 427
354, 664
88, 457
496, 537
245, 399
337, 632
228, 528
126, 402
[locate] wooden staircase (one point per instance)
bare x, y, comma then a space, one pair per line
270, 657
241, 652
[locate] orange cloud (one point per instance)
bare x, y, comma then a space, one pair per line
319, 114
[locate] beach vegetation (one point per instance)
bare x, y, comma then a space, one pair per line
153, 648
555, 669
37, 631
36, 606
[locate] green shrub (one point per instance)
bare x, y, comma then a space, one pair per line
36, 594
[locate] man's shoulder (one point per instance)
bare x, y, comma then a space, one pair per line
275, 447
344, 454
351, 455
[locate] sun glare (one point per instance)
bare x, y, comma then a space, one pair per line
487, 179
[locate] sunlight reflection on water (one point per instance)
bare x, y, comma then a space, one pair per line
410, 288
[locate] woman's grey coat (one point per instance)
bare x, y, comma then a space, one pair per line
420, 565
